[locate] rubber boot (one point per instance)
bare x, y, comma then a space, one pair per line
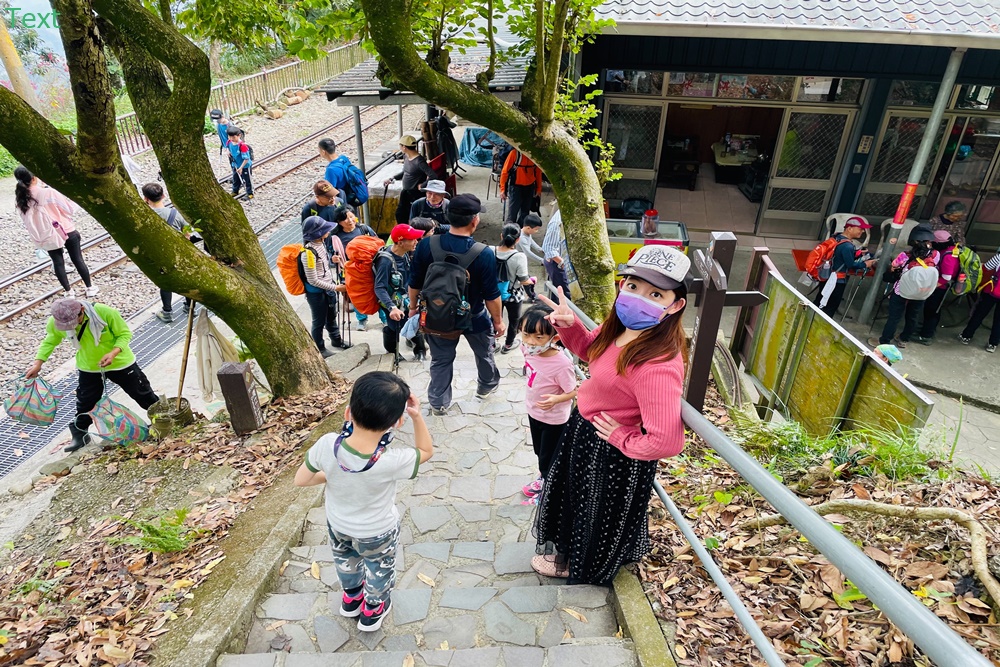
80, 438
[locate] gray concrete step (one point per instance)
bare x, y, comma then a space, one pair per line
578, 653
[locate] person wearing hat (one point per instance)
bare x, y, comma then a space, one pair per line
948, 271
482, 293
520, 186
592, 516
415, 172
900, 308
392, 279
101, 338
845, 258
320, 281
890, 354
434, 203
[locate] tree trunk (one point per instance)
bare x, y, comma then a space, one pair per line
559, 155
215, 57
15, 69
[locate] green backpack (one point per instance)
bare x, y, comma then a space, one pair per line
971, 266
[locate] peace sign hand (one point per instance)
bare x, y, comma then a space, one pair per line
561, 316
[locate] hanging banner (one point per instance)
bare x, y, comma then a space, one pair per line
909, 190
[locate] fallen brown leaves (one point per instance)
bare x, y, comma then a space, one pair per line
813, 616
95, 604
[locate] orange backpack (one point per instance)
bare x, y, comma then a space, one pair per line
822, 255
359, 275
288, 265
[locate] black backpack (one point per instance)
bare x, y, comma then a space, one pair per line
444, 305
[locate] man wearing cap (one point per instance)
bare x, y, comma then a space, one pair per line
483, 294
415, 172
392, 280
101, 338
520, 185
433, 205
845, 258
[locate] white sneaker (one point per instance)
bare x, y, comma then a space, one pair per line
69, 294
361, 327
93, 291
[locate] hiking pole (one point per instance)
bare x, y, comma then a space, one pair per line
381, 209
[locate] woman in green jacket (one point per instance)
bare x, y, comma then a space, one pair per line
101, 338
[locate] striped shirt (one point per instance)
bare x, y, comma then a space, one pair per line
552, 243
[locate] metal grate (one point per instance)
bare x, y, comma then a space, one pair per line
633, 129
810, 146
626, 188
898, 149
878, 206
796, 199
149, 340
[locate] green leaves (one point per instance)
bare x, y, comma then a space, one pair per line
722, 497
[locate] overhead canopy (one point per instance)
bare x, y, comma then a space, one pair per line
943, 23
360, 87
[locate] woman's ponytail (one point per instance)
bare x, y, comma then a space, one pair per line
22, 191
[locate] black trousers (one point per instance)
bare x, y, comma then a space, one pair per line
167, 300
390, 334
900, 308
323, 307
91, 387
513, 309
545, 441
239, 181
72, 246
558, 278
406, 199
520, 199
983, 307
833, 303
932, 312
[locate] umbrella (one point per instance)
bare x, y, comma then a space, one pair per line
213, 349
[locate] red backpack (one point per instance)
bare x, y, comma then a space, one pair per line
359, 275
820, 259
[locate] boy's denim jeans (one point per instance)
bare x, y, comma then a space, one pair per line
370, 561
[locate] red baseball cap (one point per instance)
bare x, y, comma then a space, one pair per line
857, 221
405, 232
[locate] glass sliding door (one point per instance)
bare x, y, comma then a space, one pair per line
635, 128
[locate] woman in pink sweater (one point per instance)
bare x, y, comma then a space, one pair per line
592, 514
48, 218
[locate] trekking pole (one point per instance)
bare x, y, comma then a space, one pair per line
381, 208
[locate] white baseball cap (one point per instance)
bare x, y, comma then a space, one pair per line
435, 186
664, 266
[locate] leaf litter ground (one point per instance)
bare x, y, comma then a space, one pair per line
813, 616
73, 595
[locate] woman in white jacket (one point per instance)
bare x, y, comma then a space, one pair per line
48, 217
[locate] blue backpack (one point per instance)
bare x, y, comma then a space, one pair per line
356, 192
510, 289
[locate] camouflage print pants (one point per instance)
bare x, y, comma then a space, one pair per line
368, 561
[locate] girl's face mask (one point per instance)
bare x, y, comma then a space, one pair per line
639, 313
538, 349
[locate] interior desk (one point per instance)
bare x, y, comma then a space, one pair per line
729, 168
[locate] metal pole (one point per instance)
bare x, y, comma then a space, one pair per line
939, 642
916, 170
742, 613
399, 119
359, 144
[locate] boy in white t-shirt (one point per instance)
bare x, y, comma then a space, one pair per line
360, 472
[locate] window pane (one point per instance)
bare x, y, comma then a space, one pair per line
760, 87
809, 148
818, 88
636, 82
984, 98
732, 86
899, 148
691, 84
913, 93
633, 130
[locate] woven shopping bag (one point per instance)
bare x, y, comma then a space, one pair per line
116, 423
33, 402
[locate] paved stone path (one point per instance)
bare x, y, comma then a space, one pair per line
465, 595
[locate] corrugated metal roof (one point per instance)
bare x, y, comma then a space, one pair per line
361, 79
937, 22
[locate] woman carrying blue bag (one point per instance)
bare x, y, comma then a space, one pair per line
101, 338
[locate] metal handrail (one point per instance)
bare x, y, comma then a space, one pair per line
938, 641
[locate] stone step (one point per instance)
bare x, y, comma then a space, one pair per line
459, 612
575, 653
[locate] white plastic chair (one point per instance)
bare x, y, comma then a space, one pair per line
835, 225
904, 233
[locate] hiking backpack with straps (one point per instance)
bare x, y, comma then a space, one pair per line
969, 264
359, 274
355, 189
291, 268
819, 262
444, 305
510, 289
918, 282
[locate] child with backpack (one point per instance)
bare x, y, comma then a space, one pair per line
915, 277
241, 160
360, 471
320, 283
551, 379
832, 259
512, 274
989, 299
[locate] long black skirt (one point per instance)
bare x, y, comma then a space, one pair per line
592, 513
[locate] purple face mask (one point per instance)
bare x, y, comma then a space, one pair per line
638, 313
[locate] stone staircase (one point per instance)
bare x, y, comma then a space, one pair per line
465, 595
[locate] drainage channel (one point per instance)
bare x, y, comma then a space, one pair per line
149, 340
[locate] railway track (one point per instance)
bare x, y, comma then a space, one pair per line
96, 241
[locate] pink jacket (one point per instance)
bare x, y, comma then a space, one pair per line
48, 209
